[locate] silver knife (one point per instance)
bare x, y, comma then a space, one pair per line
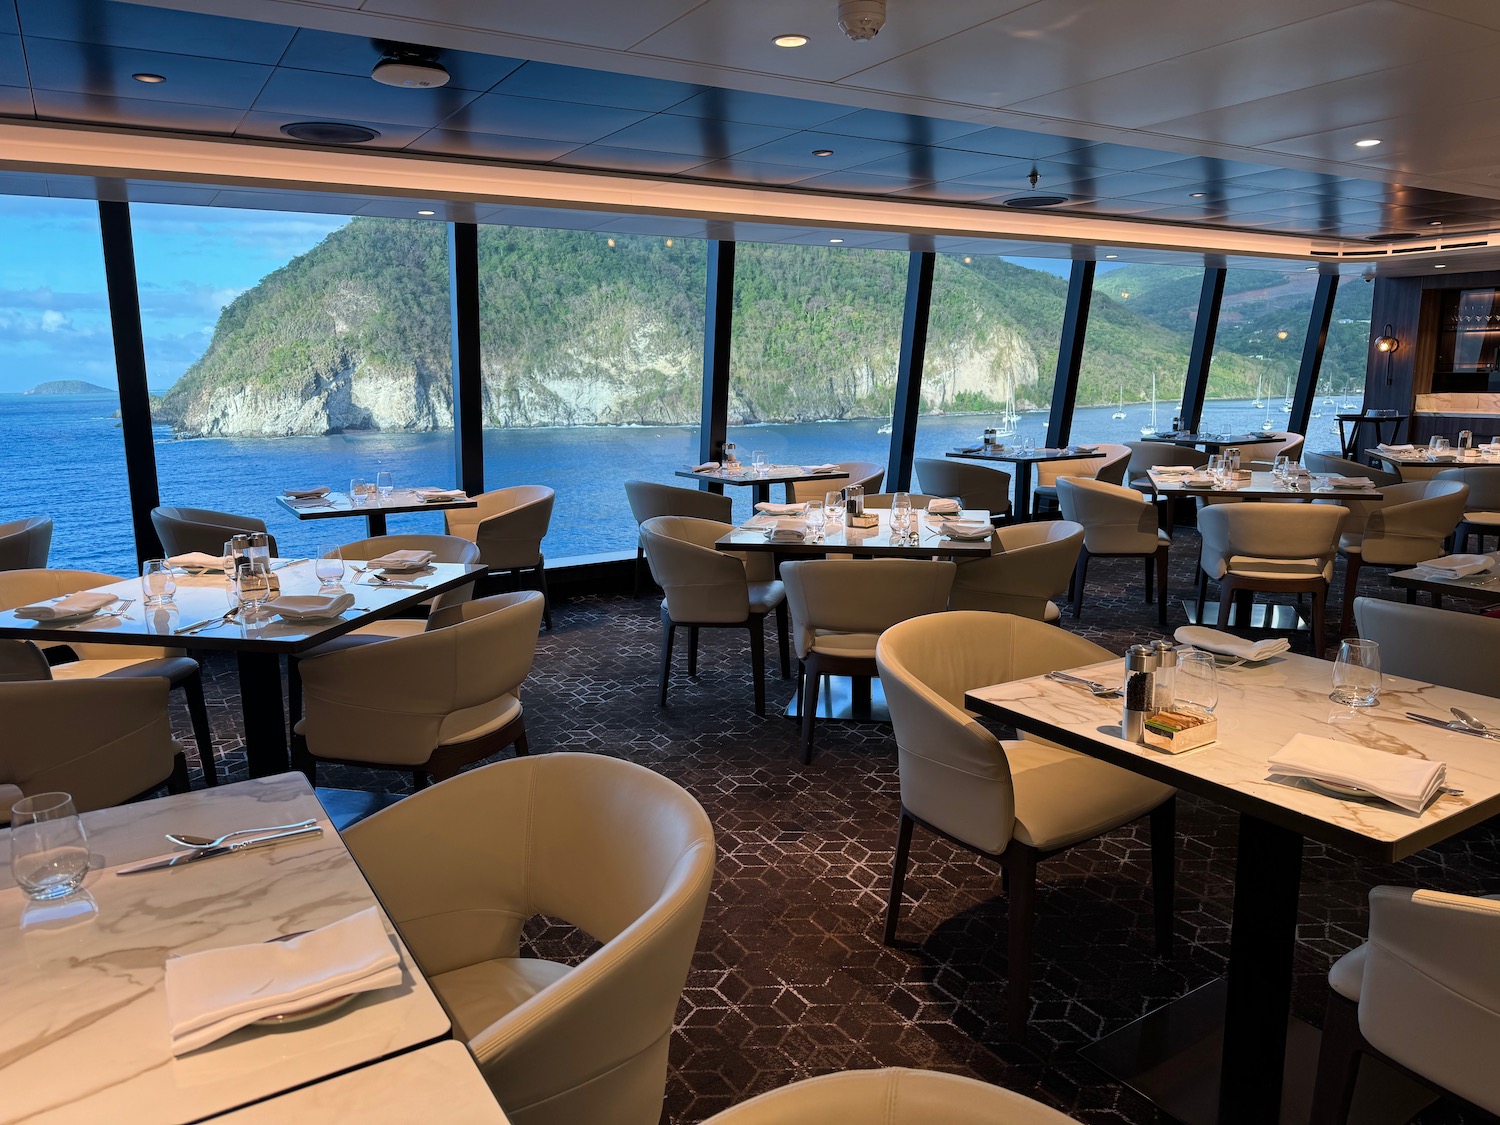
1456, 727
182, 859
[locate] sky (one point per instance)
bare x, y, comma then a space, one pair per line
190, 263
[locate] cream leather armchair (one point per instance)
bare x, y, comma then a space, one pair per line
1406, 527
103, 741
1278, 443
431, 703
973, 486
1109, 466
1482, 508
1438, 646
1331, 464
1017, 803
115, 662
709, 589
509, 525
1117, 522
865, 473
1271, 548
882, 500
184, 530
445, 549
839, 609
1424, 993
890, 1097
1147, 455
1028, 569
25, 544
648, 500
608, 846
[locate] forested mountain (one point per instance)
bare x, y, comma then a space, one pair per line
581, 328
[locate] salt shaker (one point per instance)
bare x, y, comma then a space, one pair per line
1165, 692
1140, 689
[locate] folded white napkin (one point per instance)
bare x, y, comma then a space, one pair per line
1335, 481
1384, 448
1405, 781
780, 509
198, 560
821, 469
1227, 644
789, 531
966, 529
943, 506
1173, 470
307, 493
74, 605
438, 495
403, 560
1198, 478
308, 502
216, 991
311, 607
1455, 566
706, 467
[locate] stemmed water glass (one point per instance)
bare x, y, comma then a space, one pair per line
1356, 674
900, 516
49, 851
758, 462
329, 566
815, 519
358, 491
833, 506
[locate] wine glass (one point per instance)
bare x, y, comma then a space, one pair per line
833, 506
358, 487
815, 518
900, 514
384, 484
1197, 681
1356, 674
1028, 443
49, 851
158, 582
329, 566
1216, 467
758, 462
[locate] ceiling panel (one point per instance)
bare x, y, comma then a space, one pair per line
351, 54
541, 119
595, 87
16, 102
759, 109
640, 161
12, 62
796, 150
693, 136
921, 164
857, 183
489, 146
130, 25
9, 24
317, 96
95, 110
106, 72
267, 126
600, 23
750, 172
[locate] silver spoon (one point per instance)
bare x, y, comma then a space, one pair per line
185, 841
1469, 720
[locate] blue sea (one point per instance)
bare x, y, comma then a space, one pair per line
63, 456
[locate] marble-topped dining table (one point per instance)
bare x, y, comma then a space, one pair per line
1483, 587
1258, 486
1261, 707
374, 509
84, 1033
744, 475
925, 542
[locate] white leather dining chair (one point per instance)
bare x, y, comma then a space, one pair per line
1407, 526
1109, 466
183, 531
973, 486
1481, 507
1117, 522
649, 499
508, 525
1437, 646
867, 474
1029, 568
25, 544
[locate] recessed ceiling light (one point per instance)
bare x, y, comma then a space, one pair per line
822, 152
1197, 194
1435, 223
1439, 265
1111, 255
426, 212
149, 79
791, 40
1310, 269
835, 241
1367, 142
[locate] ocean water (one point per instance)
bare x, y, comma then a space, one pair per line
63, 456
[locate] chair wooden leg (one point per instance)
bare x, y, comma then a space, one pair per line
1150, 579
177, 780
1203, 594
1020, 921
1080, 579
541, 584
693, 652
1162, 558
814, 680
1164, 874
1353, 564
1338, 1062
523, 748
640, 554
898, 876
757, 627
668, 629
782, 628
192, 690
1226, 599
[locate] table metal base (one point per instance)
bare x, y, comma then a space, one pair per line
1170, 1057
850, 700
1263, 615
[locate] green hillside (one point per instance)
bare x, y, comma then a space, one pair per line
581, 328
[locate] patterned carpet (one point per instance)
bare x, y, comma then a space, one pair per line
791, 978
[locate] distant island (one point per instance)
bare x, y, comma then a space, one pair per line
69, 387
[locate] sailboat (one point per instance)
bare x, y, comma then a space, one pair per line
1120, 413
1259, 402
1286, 406
1153, 427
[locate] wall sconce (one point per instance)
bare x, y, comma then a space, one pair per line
1387, 343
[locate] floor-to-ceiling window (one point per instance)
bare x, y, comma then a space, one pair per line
1258, 351
294, 350
592, 349
1341, 382
817, 333
991, 355
61, 451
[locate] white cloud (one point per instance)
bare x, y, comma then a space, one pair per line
53, 321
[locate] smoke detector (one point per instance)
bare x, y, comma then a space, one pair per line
410, 70
861, 19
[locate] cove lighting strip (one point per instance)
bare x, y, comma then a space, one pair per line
118, 154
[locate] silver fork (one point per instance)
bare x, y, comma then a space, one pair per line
214, 624
1100, 691
118, 611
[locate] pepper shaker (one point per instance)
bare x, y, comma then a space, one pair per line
1140, 689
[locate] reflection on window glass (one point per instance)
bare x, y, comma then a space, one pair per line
817, 335
61, 451
593, 371
1258, 351
991, 355
291, 351
1342, 377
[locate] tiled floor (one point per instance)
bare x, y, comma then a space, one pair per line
791, 978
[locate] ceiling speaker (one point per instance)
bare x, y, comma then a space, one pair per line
329, 132
413, 74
